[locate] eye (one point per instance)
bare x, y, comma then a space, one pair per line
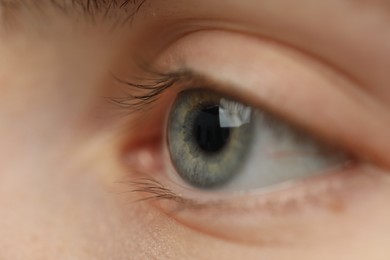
244, 140
228, 140
216, 143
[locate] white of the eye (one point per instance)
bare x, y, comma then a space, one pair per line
279, 158
233, 114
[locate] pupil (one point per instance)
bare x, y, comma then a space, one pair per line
209, 135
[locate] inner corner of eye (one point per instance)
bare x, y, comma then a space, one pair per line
143, 153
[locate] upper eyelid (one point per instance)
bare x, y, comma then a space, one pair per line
324, 83
151, 88
319, 80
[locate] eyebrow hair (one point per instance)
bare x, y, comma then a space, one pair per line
121, 11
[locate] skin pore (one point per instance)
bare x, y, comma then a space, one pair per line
64, 185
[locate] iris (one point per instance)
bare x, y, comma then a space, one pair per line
209, 137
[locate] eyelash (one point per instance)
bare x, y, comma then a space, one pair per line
154, 86
153, 190
150, 89
328, 195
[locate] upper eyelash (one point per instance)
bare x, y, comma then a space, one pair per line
150, 89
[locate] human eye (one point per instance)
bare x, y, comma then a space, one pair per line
219, 144
238, 134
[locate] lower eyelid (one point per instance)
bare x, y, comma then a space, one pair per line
233, 218
292, 196
297, 195
263, 215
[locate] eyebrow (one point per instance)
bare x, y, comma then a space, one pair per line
89, 10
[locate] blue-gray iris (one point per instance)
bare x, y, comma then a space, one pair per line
209, 137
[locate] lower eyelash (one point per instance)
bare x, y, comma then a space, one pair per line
152, 190
323, 192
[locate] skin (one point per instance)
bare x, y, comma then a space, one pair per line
63, 146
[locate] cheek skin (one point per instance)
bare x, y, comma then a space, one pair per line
53, 194
50, 196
